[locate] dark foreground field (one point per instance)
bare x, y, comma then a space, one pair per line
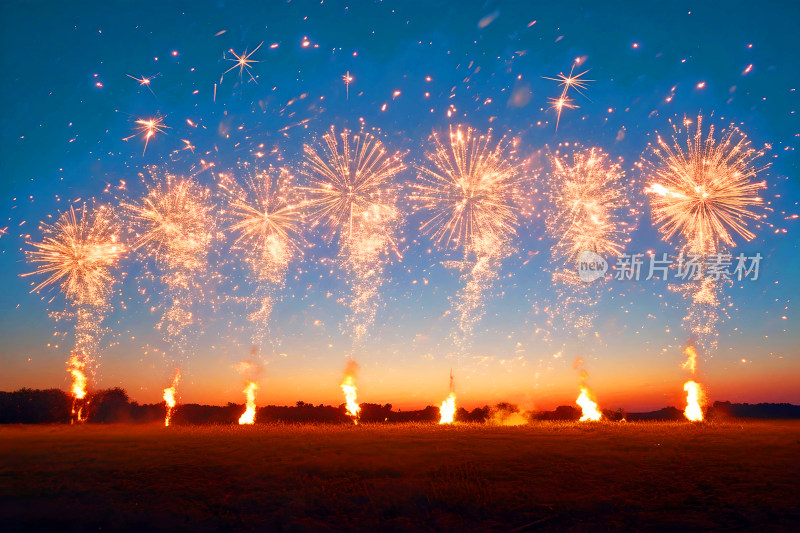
542, 477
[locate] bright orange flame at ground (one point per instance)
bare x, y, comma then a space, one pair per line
447, 411
349, 389
76, 367
588, 406
169, 396
249, 416
695, 400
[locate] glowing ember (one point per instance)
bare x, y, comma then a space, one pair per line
249, 416
695, 400
447, 411
169, 396
588, 406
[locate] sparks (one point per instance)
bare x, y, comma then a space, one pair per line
149, 128
243, 62
347, 78
567, 82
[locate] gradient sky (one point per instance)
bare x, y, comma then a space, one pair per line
68, 105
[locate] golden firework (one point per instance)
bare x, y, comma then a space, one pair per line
264, 219
704, 191
587, 204
244, 62
350, 182
471, 190
173, 221
78, 253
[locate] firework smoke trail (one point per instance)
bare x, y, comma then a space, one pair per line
349, 389
704, 193
77, 254
350, 191
472, 189
173, 224
265, 220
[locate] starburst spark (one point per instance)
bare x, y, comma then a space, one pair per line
567, 82
587, 205
704, 191
78, 253
148, 128
472, 190
243, 62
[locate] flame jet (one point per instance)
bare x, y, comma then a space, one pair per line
349, 389
78, 254
447, 411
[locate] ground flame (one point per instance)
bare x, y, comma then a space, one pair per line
695, 399
349, 389
76, 367
447, 411
588, 406
169, 397
249, 416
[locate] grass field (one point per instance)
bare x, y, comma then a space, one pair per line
542, 477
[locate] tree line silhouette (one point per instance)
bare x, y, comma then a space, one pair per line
53, 406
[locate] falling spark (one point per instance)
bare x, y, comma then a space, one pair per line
169, 396
695, 400
567, 82
705, 192
349, 389
249, 416
144, 82
587, 205
351, 192
347, 78
149, 128
244, 62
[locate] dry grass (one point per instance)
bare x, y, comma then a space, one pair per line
546, 476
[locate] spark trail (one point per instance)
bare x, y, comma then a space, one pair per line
265, 219
351, 193
472, 190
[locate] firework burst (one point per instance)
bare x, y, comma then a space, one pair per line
472, 190
77, 254
704, 191
350, 192
588, 205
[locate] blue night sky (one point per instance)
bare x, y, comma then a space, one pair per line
417, 67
